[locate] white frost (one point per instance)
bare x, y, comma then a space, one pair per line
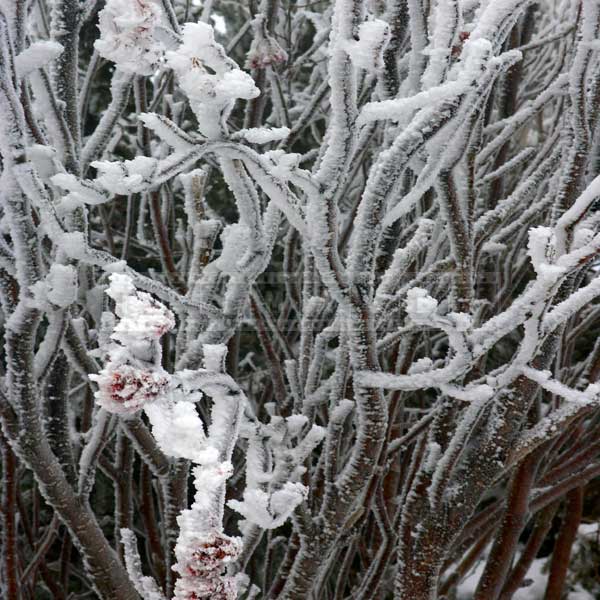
36, 56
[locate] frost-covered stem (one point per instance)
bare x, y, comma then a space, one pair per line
10, 555
416, 568
146, 446
460, 242
151, 524
42, 548
123, 487
381, 183
564, 543
557, 491
145, 586
77, 352
65, 27
161, 233
371, 584
129, 226
174, 490
96, 144
308, 113
58, 415
30, 442
162, 236
420, 562
255, 108
573, 170
418, 40
347, 15
542, 526
515, 518
398, 18
331, 175
84, 97
49, 350
247, 201
103, 427
352, 482
107, 573
506, 95
571, 464
55, 120
20, 24
467, 563
171, 16
276, 368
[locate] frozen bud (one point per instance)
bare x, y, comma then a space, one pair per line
73, 244
214, 356
295, 424
421, 365
211, 81
209, 477
142, 317
120, 287
367, 52
82, 190
264, 51
582, 237
420, 306
198, 45
285, 500
235, 240
59, 288
263, 135
124, 389
44, 160
461, 321
127, 177
62, 285
270, 511
539, 246
128, 35
236, 84
282, 164
36, 56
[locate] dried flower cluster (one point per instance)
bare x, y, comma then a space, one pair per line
128, 35
132, 375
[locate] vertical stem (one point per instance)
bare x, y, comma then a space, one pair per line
562, 549
159, 226
66, 24
123, 488
515, 518
10, 557
534, 543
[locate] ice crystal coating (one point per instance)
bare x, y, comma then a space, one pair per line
127, 177
210, 79
127, 29
367, 52
36, 56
